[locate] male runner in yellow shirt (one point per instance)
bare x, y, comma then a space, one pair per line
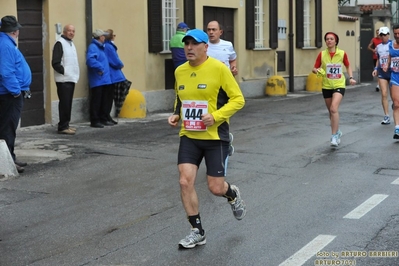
207, 95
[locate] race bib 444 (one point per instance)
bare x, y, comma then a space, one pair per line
192, 113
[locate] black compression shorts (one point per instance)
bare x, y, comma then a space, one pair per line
215, 153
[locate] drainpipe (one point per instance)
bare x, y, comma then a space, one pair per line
89, 21
291, 47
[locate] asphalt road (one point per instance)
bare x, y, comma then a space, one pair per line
111, 196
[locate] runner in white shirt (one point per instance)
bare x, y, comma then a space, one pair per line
384, 76
221, 49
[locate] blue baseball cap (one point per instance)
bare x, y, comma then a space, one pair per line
197, 35
182, 25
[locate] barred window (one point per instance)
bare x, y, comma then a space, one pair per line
306, 23
259, 24
169, 19
261, 27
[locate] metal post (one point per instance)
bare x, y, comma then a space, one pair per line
291, 46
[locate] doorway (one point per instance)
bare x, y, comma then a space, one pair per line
366, 56
30, 44
225, 17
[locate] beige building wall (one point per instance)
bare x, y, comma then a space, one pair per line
8, 7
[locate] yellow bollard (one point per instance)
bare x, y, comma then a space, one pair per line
134, 105
276, 86
314, 83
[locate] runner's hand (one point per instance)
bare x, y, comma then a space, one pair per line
208, 119
173, 120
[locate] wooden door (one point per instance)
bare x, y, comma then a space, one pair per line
30, 44
224, 16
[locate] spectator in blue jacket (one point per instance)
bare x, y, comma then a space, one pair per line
15, 79
177, 46
99, 80
115, 66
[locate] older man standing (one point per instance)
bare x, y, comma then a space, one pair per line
66, 74
99, 80
15, 79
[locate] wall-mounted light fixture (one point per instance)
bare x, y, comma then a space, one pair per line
58, 28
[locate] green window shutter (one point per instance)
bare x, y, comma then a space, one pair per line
154, 26
273, 24
189, 13
318, 23
299, 23
250, 24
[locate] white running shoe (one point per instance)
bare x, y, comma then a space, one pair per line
335, 140
238, 205
386, 120
193, 239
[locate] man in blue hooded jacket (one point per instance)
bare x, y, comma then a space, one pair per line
15, 79
99, 80
177, 46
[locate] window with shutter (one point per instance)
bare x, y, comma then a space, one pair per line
161, 24
257, 33
309, 23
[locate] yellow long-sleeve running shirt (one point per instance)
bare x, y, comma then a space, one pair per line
207, 88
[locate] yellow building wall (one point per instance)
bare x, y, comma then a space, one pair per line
128, 19
8, 7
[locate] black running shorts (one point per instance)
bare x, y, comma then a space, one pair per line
328, 93
215, 153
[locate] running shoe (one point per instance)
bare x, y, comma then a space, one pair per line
386, 120
377, 88
231, 147
335, 140
339, 134
193, 239
231, 150
238, 205
396, 134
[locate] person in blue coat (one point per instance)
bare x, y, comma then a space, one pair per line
99, 80
115, 66
15, 79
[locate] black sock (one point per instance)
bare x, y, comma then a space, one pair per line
195, 222
230, 194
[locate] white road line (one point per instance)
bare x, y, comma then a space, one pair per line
366, 206
396, 182
308, 251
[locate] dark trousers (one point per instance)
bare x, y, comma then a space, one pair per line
99, 103
65, 94
10, 113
